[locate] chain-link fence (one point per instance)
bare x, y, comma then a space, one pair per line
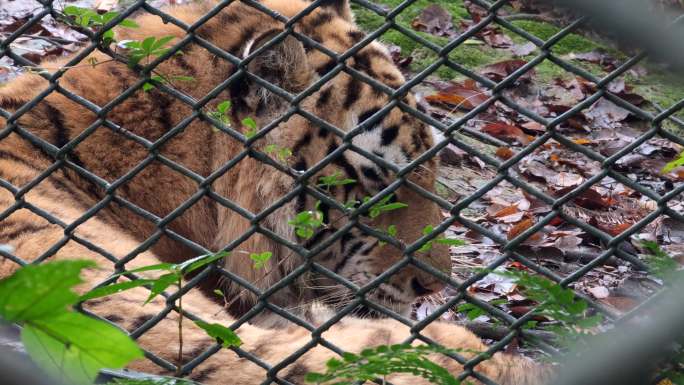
610, 246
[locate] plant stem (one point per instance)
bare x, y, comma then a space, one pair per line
180, 331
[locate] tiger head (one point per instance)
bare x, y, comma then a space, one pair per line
388, 139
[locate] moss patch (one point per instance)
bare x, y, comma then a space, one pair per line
569, 43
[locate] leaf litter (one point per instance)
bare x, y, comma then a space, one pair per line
558, 170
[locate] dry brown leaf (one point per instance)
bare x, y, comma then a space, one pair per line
504, 130
103, 6
504, 153
506, 211
498, 71
616, 229
583, 141
521, 227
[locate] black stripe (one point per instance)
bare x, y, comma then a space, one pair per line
4, 155
204, 374
367, 114
356, 36
318, 237
296, 373
346, 237
319, 19
326, 67
370, 173
245, 36
300, 165
140, 320
25, 228
9, 102
301, 202
304, 141
324, 208
389, 134
162, 104
183, 63
353, 92
55, 117
323, 98
350, 253
228, 18
362, 62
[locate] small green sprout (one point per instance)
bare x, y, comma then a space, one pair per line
306, 222
260, 259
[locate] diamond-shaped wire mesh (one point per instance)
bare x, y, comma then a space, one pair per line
497, 95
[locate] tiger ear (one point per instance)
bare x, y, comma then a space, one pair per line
340, 7
284, 64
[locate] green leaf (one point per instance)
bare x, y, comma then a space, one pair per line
133, 44
223, 335
108, 37
108, 16
335, 179
158, 267
147, 43
203, 260
40, 291
162, 41
84, 20
71, 10
679, 161
147, 87
75, 347
162, 283
128, 23
451, 241
115, 288
224, 106
260, 259
134, 59
249, 122
251, 127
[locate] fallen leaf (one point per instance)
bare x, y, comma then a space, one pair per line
506, 131
465, 95
566, 179
523, 49
435, 20
583, 141
567, 243
605, 114
599, 292
589, 198
103, 6
506, 211
534, 126
498, 71
616, 229
520, 227
504, 153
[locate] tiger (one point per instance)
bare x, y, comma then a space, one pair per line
105, 168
